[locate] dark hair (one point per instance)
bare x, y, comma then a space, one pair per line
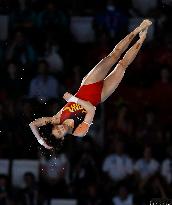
50, 139
54, 142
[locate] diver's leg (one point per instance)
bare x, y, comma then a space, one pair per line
100, 71
112, 81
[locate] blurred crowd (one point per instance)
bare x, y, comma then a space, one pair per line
40, 59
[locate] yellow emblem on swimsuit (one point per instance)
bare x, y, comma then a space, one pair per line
74, 107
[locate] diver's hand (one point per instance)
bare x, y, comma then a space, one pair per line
81, 130
67, 96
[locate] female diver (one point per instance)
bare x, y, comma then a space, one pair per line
77, 115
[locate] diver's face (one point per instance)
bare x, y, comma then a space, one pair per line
59, 131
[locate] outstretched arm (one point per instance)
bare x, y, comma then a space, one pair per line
83, 128
41, 122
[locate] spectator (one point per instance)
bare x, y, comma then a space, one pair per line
23, 17
30, 194
24, 116
51, 17
101, 48
155, 187
164, 81
111, 19
118, 165
12, 82
164, 87
4, 191
85, 170
53, 21
6, 124
146, 166
123, 197
20, 50
76, 77
166, 169
44, 86
90, 196
55, 174
53, 58
124, 121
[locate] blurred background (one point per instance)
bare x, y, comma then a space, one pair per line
46, 48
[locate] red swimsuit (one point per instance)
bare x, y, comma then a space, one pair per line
91, 93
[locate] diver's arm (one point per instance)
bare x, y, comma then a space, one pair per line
34, 126
83, 128
41, 141
35, 130
41, 121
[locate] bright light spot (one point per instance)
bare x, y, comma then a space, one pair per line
21, 78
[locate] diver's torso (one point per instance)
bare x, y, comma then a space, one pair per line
73, 111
